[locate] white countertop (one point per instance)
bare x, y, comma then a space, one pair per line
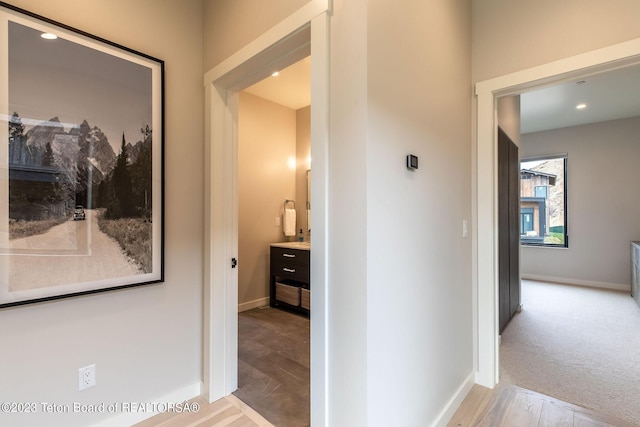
293, 245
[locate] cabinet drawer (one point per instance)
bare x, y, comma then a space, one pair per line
305, 298
289, 256
290, 271
288, 294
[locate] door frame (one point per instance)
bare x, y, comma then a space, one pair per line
302, 33
485, 240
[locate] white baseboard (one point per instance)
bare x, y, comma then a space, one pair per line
126, 419
454, 403
261, 302
578, 282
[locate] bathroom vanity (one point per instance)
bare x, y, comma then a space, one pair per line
289, 273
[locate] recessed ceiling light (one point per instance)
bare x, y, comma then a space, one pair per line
48, 36
275, 74
581, 106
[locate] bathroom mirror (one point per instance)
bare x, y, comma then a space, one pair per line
308, 209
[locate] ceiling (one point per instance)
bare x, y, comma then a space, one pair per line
291, 87
608, 96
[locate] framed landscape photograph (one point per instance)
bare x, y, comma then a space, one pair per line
81, 162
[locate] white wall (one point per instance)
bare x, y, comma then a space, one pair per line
348, 216
419, 333
603, 205
266, 141
146, 341
514, 35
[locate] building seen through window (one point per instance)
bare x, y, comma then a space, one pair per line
543, 213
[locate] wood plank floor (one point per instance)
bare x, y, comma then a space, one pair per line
511, 406
504, 406
229, 411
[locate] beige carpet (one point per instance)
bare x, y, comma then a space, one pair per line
577, 344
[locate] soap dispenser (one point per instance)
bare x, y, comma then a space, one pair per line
300, 236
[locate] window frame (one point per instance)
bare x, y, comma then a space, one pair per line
542, 244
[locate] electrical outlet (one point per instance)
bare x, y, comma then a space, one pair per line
86, 377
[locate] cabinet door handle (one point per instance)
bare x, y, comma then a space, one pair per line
289, 270
288, 255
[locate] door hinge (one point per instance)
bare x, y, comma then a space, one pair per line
234, 262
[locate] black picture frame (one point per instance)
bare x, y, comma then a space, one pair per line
81, 162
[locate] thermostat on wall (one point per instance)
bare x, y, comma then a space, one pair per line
412, 162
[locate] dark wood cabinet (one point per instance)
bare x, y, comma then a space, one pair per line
290, 274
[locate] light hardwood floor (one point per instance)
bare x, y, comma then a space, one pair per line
229, 411
511, 406
504, 406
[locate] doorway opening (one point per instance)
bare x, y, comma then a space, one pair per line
274, 161
589, 123
302, 34
485, 252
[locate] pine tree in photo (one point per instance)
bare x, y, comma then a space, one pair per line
16, 139
121, 180
141, 175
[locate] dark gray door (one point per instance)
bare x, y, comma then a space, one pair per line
508, 229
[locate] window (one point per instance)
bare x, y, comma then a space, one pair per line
543, 201
541, 191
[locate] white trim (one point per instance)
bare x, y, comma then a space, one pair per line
578, 282
4, 144
546, 157
304, 32
126, 419
220, 307
485, 185
320, 213
260, 302
454, 403
275, 35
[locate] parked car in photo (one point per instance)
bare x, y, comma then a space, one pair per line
78, 213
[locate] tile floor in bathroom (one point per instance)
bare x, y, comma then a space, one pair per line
273, 365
